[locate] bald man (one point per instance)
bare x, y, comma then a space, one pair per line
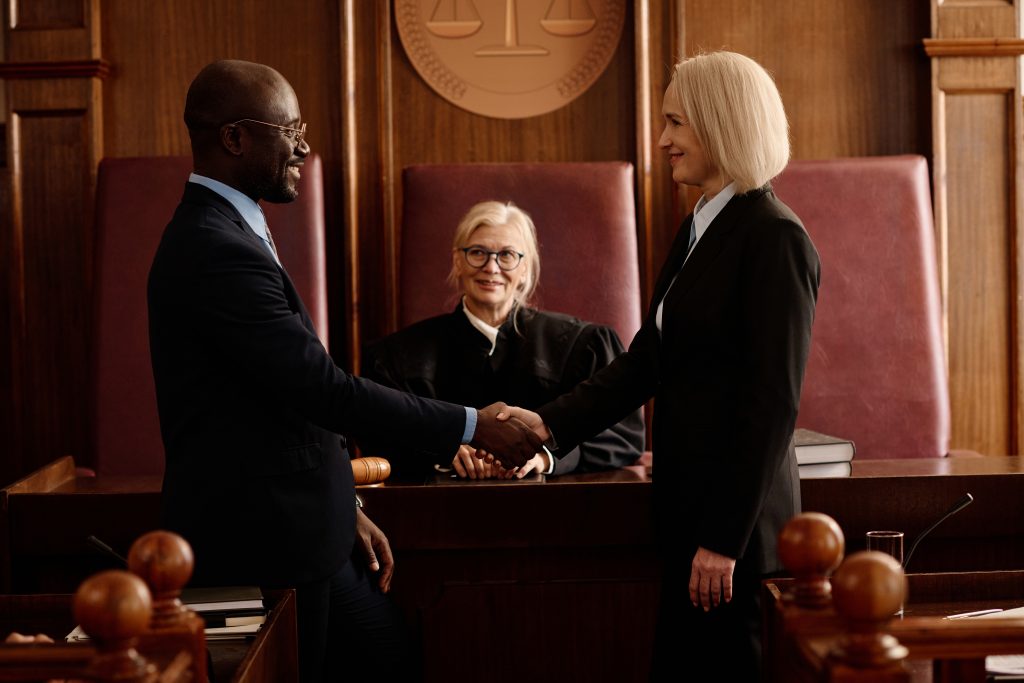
251, 405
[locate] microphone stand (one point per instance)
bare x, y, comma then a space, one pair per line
106, 549
957, 507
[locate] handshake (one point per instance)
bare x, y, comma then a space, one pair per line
512, 435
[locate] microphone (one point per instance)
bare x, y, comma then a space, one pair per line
106, 549
957, 507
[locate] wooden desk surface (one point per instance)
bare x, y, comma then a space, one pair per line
48, 521
575, 554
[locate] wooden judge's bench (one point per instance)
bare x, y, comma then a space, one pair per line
547, 580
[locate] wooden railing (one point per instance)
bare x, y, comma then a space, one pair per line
139, 631
827, 627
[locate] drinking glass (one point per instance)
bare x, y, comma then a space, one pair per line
890, 543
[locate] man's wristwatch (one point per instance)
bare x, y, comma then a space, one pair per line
359, 502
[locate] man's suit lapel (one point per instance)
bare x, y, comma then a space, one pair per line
198, 194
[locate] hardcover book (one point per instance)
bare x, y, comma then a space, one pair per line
814, 448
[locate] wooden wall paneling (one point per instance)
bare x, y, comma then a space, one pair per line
48, 13
978, 241
52, 81
977, 122
658, 26
366, 123
851, 73
52, 30
10, 420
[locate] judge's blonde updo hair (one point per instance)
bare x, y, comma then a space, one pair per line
495, 214
735, 110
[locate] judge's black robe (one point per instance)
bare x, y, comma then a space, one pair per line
445, 357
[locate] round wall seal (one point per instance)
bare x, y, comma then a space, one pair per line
510, 59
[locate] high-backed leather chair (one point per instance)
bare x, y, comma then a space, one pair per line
586, 224
877, 372
135, 199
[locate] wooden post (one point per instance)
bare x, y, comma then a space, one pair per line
975, 50
52, 77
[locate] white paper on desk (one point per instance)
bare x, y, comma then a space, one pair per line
77, 636
1013, 613
1005, 664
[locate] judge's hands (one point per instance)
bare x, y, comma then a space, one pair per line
710, 579
468, 466
470, 463
506, 436
376, 549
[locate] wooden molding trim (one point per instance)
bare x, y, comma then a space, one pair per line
973, 47
84, 68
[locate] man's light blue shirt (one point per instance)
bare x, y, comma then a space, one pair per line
249, 210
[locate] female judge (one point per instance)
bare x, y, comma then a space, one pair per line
494, 346
722, 351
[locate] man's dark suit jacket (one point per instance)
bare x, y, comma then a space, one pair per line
725, 372
251, 405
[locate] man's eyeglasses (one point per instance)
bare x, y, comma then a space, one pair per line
296, 135
506, 258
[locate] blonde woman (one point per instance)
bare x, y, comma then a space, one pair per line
722, 352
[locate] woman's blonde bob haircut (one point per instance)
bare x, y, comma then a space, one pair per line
497, 214
736, 112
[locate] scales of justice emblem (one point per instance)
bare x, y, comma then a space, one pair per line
509, 58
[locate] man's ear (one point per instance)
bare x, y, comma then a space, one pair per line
231, 138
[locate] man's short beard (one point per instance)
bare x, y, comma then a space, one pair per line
279, 192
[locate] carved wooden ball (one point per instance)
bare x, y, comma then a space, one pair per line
163, 559
113, 605
811, 544
869, 586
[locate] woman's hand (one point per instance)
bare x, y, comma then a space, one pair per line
469, 465
538, 463
710, 579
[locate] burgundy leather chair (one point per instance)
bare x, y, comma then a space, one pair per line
877, 372
135, 199
586, 224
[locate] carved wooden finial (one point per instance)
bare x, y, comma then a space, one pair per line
114, 607
867, 590
164, 561
811, 546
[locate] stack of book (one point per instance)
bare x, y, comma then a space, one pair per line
230, 613
819, 455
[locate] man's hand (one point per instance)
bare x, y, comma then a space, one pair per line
710, 579
529, 418
509, 439
376, 549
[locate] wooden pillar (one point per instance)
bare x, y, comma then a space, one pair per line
975, 52
52, 75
